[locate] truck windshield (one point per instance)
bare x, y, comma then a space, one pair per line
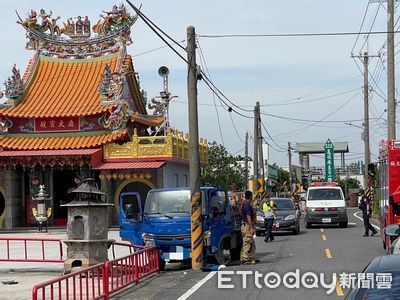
167, 202
324, 194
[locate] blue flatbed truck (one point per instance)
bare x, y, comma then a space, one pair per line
163, 219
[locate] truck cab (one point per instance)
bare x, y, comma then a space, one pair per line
163, 220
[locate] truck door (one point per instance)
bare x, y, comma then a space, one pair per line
219, 224
130, 216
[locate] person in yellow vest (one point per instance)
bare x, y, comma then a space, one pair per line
268, 209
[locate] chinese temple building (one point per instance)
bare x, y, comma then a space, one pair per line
77, 112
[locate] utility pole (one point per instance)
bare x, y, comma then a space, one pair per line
290, 167
367, 156
367, 153
391, 104
246, 159
194, 155
255, 148
261, 150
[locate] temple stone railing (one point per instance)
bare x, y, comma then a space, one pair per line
175, 145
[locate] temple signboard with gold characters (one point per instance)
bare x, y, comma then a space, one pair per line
77, 112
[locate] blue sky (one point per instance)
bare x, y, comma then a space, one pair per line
247, 70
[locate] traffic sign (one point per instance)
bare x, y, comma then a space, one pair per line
329, 161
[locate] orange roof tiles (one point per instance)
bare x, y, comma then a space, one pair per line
33, 142
64, 87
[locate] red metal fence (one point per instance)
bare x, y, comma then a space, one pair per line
33, 250
102, 280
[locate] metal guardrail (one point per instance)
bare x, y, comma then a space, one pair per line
47, 246
87, 283
102, 280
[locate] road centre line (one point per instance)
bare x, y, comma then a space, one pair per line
322, 230
338, 288
324, 237
194, 288
328, 253
360, 218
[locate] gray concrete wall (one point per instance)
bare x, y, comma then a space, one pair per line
176, 175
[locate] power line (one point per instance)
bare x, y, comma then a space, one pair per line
327, 116
155, 49
370, 29
215, 36
202, 59
265, 129
362, 23
312, 100
234, 127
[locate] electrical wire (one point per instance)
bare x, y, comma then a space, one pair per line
203, 61
311, 100
362, 24
316, 34
265, 129
370, 29
155, 49
322, 119
234, 127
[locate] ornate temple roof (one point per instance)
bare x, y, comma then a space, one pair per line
63, 87
60, 142
80, 90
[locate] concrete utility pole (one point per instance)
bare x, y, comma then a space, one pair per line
367, 155
256, 148
391, 104
290, 166
260, 149
246, 159
194, 155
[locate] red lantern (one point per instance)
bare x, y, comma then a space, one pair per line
115, 176
108, 176
141, 175
101, 176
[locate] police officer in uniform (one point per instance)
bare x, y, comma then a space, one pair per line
365, 206
269, 210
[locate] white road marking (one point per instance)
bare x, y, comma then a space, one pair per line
197, 286
360, 218
352, 224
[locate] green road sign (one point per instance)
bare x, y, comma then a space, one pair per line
329, 161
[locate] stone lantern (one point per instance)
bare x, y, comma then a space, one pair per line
41, 210
87, 227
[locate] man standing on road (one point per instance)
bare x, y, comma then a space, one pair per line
365, 206
248, 253
268, 209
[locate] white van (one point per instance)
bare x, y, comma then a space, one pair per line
325, 204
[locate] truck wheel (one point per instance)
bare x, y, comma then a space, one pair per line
343, 225
161, 263
308, 225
